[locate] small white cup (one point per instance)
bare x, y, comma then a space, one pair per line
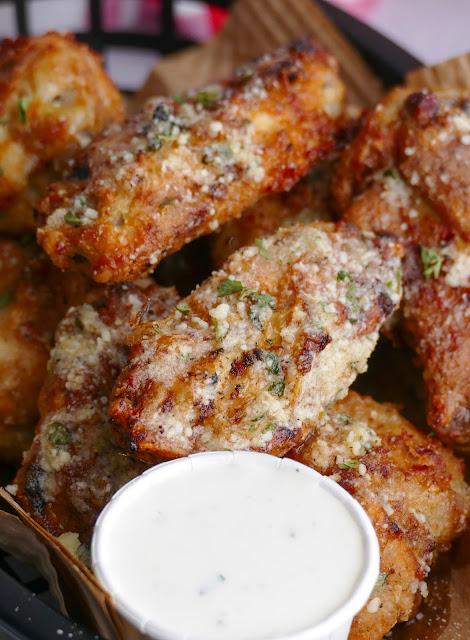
335, 626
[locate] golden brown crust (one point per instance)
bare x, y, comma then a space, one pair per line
55, 97
405, 175
234, 365
411, 486
74, 465
179, 169
34, 296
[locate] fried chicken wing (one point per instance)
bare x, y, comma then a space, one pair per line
74, 465
404, 175
55, 97
275, 336
184, 165
34, 296
411, 486
307, 201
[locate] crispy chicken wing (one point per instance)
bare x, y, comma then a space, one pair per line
74, 465
55, 97
411, 486
184, 165
272, 338
405, 175
34, 296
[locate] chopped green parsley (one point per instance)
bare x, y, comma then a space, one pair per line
23, 109
167, 202
270, 427
349, 464
72, 218
262, 247
432, 262
227, 287
272, 362
58, 434
183, 308
278, 388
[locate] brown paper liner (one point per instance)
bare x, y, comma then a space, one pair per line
253, 28
445, 75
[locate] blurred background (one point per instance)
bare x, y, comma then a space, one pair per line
431, 30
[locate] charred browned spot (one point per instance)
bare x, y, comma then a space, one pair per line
385, 303
235, 393
131, 440
169, 402
213, 355
422, 106
240, 365
395, 529
218, 190
33, 489
207, 410
310, 346
237, 415
304, 45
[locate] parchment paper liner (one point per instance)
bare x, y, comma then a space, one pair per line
254, 27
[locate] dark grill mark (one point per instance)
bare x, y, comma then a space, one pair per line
385, 304
311, 346
239, 366
422, 106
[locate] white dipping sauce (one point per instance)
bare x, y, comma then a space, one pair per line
235, 549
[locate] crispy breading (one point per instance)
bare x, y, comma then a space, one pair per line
411, 486
74, 465
404, 175
184, 165
308, 200
272, 338
34, 295
55, 97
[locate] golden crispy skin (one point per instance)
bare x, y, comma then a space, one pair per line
308, 200
404, 175
34, 296
183, 166
74, 465
275, 336
412, 488
55, 97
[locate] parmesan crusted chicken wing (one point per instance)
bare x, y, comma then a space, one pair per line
74, 465
411, 486
55, 97
408, 174
184, 165
34, 296
271, 339
308, 200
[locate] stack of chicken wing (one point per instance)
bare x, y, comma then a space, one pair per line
322, 241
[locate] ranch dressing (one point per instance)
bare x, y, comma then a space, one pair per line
229, 550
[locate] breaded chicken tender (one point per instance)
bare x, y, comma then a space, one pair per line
184, 165
271, 339
411, 486
307, 201
34, 296
407, 173
74, 465
55, 97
